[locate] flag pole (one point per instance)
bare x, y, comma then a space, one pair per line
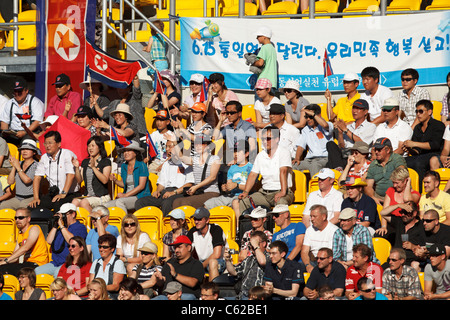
111, 157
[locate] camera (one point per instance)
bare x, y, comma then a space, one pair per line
232, 251
53, 191
55, 220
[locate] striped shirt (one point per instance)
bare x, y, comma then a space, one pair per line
408, 104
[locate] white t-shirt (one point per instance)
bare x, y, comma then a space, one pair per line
401, 131
128, 249
377, 100
316, 239
332, 201
264, 109
268, 168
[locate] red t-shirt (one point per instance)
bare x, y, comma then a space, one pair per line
374, 272
391, 192
74, 275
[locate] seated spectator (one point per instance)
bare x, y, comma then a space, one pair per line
218, 97
205, 167
291, 233
375, 93
75, 269
257, 293
3, 295
173, 178
162, 122
83, 117
380, 169
294, 104
61, 291
195, 86
434, 198
134, 178
97, 290
66, 101
348, 135
327, 272
266, 98
22, 102
435, 287
347, 236
198, 127
100, 226
365, 206
27, 282
410, 95
131, 290
314, 138
274, 165
408, 232
108, 267
145, 272
173, 291
366, 288
327, 196
55, 166
409, 288
357, 163
326, 292
129, 241
443, 160
236, 178
97, 101
258, 217
30, 243
426, 141
289, 134
210, 291
435, 232
250, 271
64, 228
183, 269
179, 227
318, 235
363, 266
343, 110
446, 103
393, 127
94, 171
287, 284
209, 242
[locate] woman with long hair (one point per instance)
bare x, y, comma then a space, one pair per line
95, 171
130, 240
97, 290
61, 291
131, 290
75, 270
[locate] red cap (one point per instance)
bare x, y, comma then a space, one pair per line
180, 240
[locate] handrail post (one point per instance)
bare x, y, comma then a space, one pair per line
242, 8
104, 27
16, 29
312, 9
383, 5
172, 29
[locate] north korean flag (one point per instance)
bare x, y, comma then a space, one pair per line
119, 139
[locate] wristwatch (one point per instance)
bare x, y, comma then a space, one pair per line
63, 192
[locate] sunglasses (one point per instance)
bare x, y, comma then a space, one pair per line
104, 247
146, 253
420, 111
230, 112
387, 110
72, 246
288, 90
20, 217
407, 79
132, 224
428, 220
367, 290
193, 83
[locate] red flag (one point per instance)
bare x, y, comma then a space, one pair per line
110, 70
160, 86
152, 151
204, 92
327, 70
117, 137
73, 137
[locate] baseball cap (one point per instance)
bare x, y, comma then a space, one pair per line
177, 214
66, 207
258, 213
347, 213
390, 103
351, 76
199, 106
201, 213
172, 287
20, 84
197, 77
264, 31
381, 143
325, 173
437, 249
83, 110
361, 103
277, 108
263, 83
162, 115
62, 79
181, 240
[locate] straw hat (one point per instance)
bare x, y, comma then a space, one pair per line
124, 108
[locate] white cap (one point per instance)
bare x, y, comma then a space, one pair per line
291, 84
264, 31
66, 207
280, 208
350, 77
197, 77
258, 213
325, 173
177, 214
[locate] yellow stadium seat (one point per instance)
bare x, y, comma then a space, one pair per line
218, 151
248, 112
414, 176
437, 108
306, 276
27, 33
43, 281
116, 215
300, 186
11, 285
188, 212
83, 216
149, 116
151, 220
251, 9
314, 182
2, 34
382, 248
368, 6
422, 279
404, 5
439, 5
324, 6
283, 7
8, 232
13, 150
225, 217
153, 177
296, 212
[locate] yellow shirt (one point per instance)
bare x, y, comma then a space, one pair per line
343, 108
39, 252
441, 204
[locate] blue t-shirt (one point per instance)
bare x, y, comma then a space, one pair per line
77, 229
92, 240
289, 235
238, 175
378, 296
5, 296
